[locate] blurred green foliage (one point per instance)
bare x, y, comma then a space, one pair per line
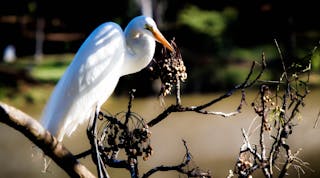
211, 23
218, 39
254, 53
315, 60
50, 70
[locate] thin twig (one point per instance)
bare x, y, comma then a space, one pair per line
248, 145
250, 131
178, 92
180, 168
218, 113
92, 136
317, 120
282, 59
291, 158
131, 97
262, 129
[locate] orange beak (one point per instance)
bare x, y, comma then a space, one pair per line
161, 39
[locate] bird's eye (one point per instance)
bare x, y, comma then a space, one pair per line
148, 27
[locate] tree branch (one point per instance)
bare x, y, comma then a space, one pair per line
33, 130
200, 109
195, 172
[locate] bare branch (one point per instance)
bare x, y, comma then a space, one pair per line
248, 145
194, 172
282, 59
218, 113
44, 140
179, 71
200, 109
291, 158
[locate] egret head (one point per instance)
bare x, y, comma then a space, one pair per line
146, 25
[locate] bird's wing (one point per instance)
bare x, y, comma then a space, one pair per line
83, 87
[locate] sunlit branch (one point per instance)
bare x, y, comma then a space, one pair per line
248, 145
33, 130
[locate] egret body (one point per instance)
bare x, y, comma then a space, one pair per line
106, 55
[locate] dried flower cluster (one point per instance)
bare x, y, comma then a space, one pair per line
245, 163
117, 134
170, 69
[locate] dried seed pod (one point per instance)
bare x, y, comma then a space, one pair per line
132, 137
170, 69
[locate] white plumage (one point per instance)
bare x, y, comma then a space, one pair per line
106, 55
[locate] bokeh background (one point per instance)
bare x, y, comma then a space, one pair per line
218, 41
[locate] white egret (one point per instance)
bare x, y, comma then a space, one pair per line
106, 55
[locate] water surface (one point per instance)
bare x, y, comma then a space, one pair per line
213, 141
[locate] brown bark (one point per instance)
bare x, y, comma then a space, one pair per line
33, 130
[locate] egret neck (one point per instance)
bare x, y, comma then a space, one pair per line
140, 50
